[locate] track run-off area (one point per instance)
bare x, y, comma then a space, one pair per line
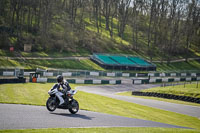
112, 90
16, 116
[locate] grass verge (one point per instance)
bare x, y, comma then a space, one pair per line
80, 52
191, 90
193, 65
83, 64
87, 64
104, 130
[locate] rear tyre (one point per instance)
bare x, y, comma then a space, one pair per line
51, 104
74, 106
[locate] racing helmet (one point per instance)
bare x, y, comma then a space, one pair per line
59, 78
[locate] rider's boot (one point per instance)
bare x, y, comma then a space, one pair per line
60, 99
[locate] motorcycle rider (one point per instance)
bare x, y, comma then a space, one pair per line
65, 87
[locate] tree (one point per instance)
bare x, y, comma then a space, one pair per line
123, 13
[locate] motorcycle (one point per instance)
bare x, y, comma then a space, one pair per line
70, 103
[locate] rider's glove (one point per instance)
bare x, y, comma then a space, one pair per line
63, 91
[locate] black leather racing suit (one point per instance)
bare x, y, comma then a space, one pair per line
65, 87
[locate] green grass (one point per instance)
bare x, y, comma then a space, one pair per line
117, 107
106, 34
33, 94
192, 90
104, 130
36, 94
5, 53
8, 63
80, 52
179, 66
129, 93
86, 64
83, 64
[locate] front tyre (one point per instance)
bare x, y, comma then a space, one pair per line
74, 106
51, 104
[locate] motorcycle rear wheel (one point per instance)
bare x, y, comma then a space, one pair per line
51, 104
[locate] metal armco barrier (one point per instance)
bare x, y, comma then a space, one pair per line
80, 81
53, 73
164, 80
14, 80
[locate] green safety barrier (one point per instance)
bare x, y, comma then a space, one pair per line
170, 80
51, 80
158, 80
104, 81
157, 74
71, 81
182, 79
88, 81
118, 81
145, 81
132, 74
194, 79
118, 75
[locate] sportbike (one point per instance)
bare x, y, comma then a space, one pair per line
70, 103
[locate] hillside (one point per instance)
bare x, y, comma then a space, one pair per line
83, 27
68, 28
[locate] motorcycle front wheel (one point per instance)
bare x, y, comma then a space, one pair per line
51, 104
74, 107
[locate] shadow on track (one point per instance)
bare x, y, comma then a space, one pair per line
74, 116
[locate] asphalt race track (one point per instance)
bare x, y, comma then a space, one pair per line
111, 90
15, 116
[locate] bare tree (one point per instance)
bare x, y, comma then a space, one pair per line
123, 13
